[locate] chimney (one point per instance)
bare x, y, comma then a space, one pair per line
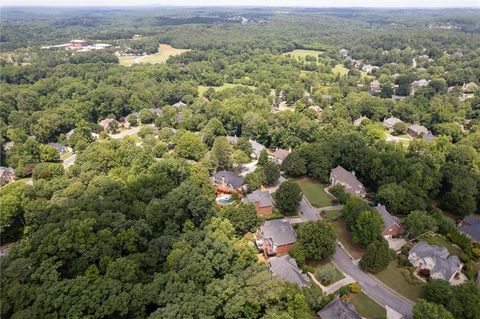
353, 172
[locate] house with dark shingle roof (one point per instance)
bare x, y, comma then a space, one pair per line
275, 237
61, 149
392, 225
262, 200
228, 181
417, 130
7, 174
340, 176
436, 259
390, 122
285, 267
339, 309
470, 226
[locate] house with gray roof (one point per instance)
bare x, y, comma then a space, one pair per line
179, 104
359, 121
428, 137
436, 259
61, 149
69, 134
156, 111
257, 148
275, 237
285, 267
232, 139
279, 155
470, 226
339, 309
390, 122
262, 200
7, 174
391, 224
417, 130
228, 181
340, 176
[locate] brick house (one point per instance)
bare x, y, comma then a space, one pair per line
275, 237
392, 225
262, 200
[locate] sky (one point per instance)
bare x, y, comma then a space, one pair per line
286, 3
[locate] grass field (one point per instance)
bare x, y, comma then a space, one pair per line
202, 89
314, 192
392, 277
340, 69
442, 242
345, 237
323, 265
367, 307
164, 52
300, 53
332, 214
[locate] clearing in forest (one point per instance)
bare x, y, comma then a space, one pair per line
300, 53
164, 52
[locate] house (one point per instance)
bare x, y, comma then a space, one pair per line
77, 44
315, 108
340, 176
257, 148
370, 68
339, 309
392, 226
469, 87
60, 148
457, 54
470, 226
8, 145
228, 181
69, 134
106, 123
428, 137
398, 97
179, 104
285, 267
276, 237
279, 155
390, 122
359, 121
232, 139
344, 52
262, 200
156, 111
375, 87
417, 130
7, 174
436, 259
420, 83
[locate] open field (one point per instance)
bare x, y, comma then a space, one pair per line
202, 89
314, 192
332, 214
442, 242
325, 265
367, 307
340, 69
164, 52
345, 237
392, 277
300, 53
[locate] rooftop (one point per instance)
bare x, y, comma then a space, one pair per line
279, 231
388, 219
262, 198
286, 268
339, 309
471, 226
228, 178
348, 179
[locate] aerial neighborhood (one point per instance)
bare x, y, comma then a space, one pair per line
240, 162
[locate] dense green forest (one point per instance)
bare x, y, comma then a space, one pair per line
131, 229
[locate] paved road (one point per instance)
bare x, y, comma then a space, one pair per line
371, 286
131, 131
307, 211
69, 161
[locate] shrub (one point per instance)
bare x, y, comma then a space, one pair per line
326, 276
343, 291
339, 192
298, 253
355, 287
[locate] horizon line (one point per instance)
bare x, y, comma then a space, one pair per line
231, 6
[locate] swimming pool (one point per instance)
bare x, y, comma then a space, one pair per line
225, 200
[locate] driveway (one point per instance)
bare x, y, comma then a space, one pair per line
371, 286
307, 211
248, 168
69, 161
131, 131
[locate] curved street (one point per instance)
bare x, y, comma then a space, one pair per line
371, 286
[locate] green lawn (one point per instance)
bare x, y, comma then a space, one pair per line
442, 242
340, 69
393, 277
345, 237
323, 265
367, 307
202, 89
332, 214
300, 53
314, 192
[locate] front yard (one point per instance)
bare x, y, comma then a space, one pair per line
396, 278
314, 192
345, 237
367, 307
326, 268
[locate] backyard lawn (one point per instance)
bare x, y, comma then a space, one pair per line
345, 237
332, 214
367, 307
325, 265
442, 242
392, 277
314, 192
340, 69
